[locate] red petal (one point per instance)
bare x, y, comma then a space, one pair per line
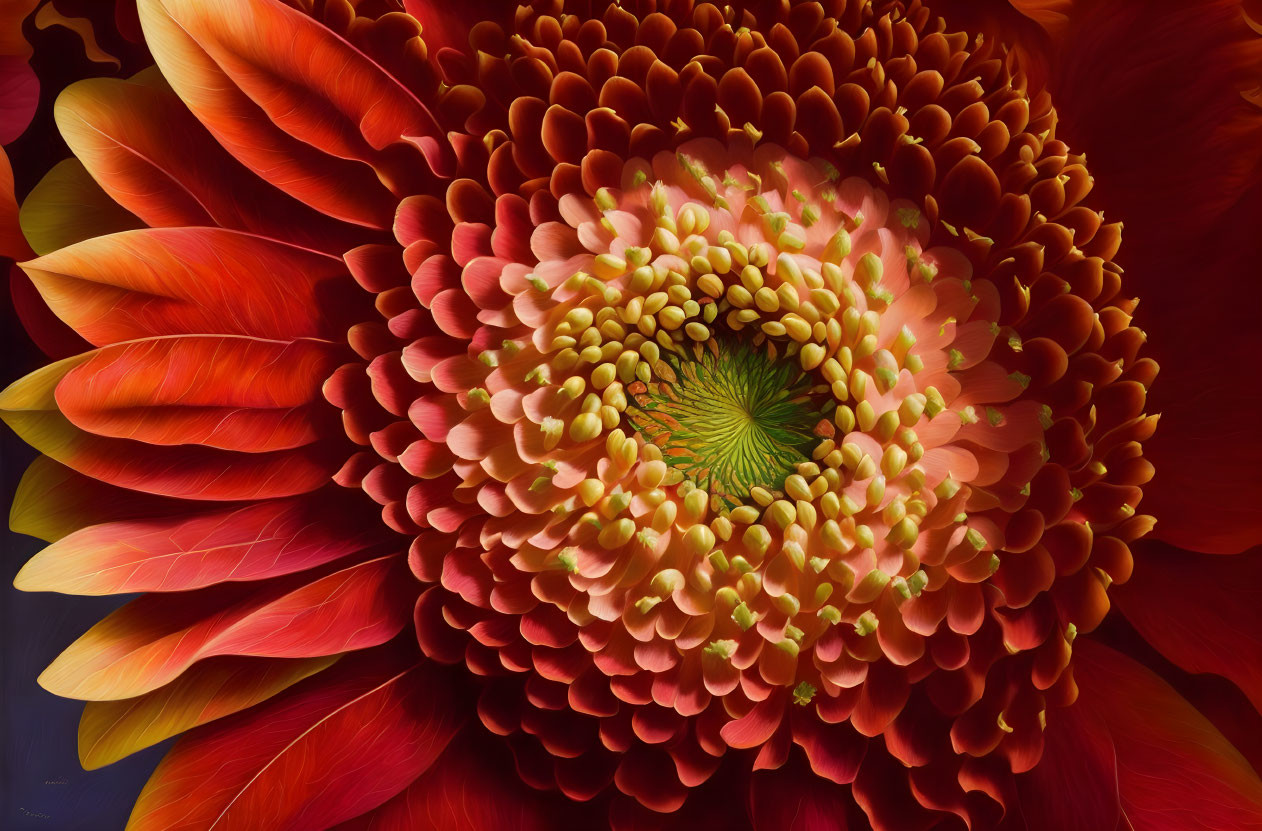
218, 687
150, 641
447, 26
171, 281
1078, 758
151, 155
1175, 771
1205, 452
230, 392
469, 789
835, 751
1156, 135
883, 791
254, 542
791, 798
1204, 613
12, 244
330, 749
19, 95
54, 338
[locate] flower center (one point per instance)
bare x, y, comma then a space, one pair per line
731, 418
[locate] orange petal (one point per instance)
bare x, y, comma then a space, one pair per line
28, 406
1202, 612
65, 207
234, 393
171, 281
332, 748
68, 206
218, 687
1175, 771
177, 553
294, 102
52, 501
152, 640
151, 155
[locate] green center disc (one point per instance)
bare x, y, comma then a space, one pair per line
731, 418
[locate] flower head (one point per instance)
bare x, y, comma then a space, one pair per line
745, 391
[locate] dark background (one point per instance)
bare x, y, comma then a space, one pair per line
42, 786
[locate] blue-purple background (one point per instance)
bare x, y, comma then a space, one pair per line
42, 786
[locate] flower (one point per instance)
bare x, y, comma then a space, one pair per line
749, 397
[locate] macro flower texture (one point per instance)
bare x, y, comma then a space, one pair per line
660, 414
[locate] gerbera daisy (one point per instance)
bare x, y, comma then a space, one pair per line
652, 414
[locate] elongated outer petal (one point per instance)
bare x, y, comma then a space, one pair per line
12, 245
1175, 771
446, 26
192, 471
792, 798
235, 393
175, 281
465, 789
155, 159
52, 501
329, 749
64, 207
1203, 612
50, 334
1157, 135
1079, 759
68, 206
150, 641
273, 85
177, 553
218, 687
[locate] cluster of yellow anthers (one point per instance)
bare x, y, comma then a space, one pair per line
704, 255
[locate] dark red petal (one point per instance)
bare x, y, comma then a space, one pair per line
1078, 759
1159, 133
472, 787
53, 337
1204, 613
19, 95
12, 245
447, 26
791, 798
1176, 772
